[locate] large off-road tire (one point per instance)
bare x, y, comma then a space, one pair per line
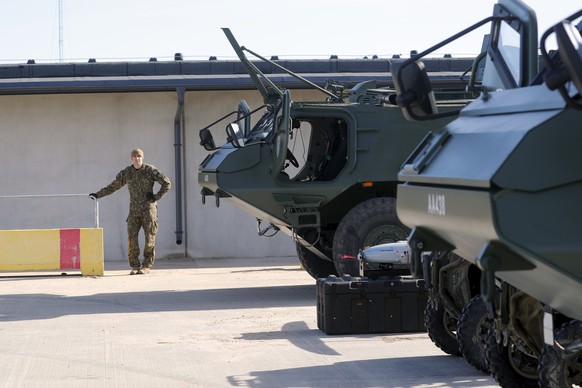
472, 331
554, 370
314, 265
508, 365
372, 222
441, 327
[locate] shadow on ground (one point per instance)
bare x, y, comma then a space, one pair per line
19, 307
425, 371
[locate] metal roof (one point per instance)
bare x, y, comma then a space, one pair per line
153, 76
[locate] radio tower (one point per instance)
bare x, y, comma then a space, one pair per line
60, 30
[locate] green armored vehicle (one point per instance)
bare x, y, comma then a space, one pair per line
335, 191
500, 187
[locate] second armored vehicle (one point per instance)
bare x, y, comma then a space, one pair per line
334, 190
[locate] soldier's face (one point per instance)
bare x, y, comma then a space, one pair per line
137, 161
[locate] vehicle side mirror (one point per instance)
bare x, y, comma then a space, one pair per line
570, 48
234, 135
206, 140
415, 95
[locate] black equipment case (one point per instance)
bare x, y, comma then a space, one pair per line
358, 305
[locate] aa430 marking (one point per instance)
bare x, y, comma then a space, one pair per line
436, 204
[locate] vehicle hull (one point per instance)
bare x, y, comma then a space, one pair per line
517, 202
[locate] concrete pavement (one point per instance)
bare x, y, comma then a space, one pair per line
199, 323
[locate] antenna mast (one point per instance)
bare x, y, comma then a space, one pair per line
60, 30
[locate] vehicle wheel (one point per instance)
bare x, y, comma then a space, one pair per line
555, 371
472, 331
509, 365
372, 222
441, 327
314, 265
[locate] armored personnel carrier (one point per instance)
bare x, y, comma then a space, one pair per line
339, 195
499, 186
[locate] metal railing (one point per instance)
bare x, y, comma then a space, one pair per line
57, 196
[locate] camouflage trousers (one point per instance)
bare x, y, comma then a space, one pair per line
148, 220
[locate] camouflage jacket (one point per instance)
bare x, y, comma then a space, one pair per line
139, 183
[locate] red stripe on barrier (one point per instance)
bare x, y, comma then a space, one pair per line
70, 248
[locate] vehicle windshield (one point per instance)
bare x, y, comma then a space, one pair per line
509, 46
264, 127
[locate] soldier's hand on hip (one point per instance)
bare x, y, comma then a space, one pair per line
151, 197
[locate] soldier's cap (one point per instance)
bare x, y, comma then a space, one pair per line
137, 151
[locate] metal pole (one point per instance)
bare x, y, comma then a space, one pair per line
96, 213
60, 30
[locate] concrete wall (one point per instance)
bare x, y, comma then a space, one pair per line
76, 144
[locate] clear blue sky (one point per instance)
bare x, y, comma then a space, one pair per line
140, 29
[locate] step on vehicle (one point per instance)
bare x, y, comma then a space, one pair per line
324, 173
500, 187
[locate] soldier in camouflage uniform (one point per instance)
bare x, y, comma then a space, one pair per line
140, 178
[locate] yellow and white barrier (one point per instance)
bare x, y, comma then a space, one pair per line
52, 249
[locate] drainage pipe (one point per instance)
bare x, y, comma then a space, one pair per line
178, 125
